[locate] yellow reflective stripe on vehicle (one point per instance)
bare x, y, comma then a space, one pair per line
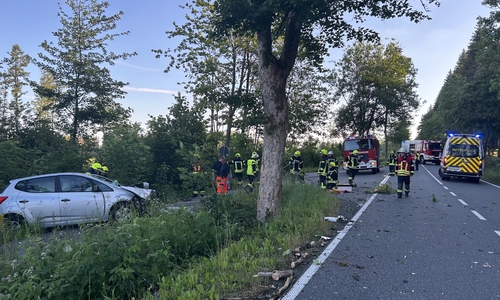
469, 165
466, 140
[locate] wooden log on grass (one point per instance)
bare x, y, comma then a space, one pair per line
275, 275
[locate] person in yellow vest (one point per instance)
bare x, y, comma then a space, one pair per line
332, 176
252, 169
323, 168
238, 166
391, 161
404, 170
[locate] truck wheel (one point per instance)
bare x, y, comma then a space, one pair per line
422, 160
437, 163
475, 180
374, 171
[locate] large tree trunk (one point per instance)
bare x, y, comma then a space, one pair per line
273, 75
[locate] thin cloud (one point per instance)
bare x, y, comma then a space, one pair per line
121, 62
148, 90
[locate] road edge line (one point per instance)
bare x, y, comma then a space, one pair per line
309, 273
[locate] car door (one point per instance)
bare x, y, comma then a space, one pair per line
78, 203
39, 200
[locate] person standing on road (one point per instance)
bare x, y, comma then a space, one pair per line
404, 170
238, 168
352, 166
391, 161
221, 172
323, 168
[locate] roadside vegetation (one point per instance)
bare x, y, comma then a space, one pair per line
209, 253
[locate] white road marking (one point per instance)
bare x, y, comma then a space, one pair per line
498, 187
445, 187
453, 194
478, 215
304, 279
497, 232
463, 202
433, 176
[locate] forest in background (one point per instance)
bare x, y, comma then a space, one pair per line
75, 119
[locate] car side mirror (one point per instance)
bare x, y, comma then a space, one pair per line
95, 188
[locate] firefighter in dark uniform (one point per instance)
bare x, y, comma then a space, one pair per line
297, 165
353, 161
332, 176
391, 161
238, 168
323, 168
404, 170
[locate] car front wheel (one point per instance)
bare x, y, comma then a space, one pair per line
121, 212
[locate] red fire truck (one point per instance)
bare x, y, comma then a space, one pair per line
368, 149
430, 151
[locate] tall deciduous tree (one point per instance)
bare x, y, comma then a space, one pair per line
86, 95
221, 69
182, 128
313, 24
16, 79
379, 85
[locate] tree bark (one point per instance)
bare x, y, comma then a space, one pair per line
273, 74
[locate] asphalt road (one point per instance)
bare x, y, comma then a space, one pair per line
442, 242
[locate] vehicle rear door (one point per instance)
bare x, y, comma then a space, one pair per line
38, 200
78, 203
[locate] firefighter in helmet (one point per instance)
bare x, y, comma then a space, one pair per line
404, 170
297, 165
391, 161
95, 168
252, 169
238, 168
104, 171
353, 161
323, 168
332, 175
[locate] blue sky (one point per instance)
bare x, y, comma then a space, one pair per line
434, 46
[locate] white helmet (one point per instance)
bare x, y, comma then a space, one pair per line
330, 152
255, 155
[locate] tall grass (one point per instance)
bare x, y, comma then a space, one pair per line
492, 169
230, 272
